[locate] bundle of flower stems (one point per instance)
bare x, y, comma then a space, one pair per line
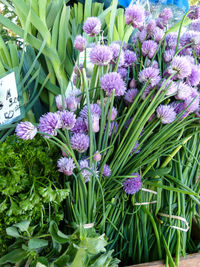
129, 138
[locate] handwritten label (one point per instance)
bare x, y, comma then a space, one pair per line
9, 99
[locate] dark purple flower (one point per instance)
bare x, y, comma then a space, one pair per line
135, 15
49, 123
80, 126
123, 72
80, 43
194, 12
101, 55
68, 119
194, 78
113, 81
106, 171
130, 95
169, 54
149, 48
166, 113
183, 91
26, 130
180, 67
132, 185
59, 105
129, 58
80, 142
92, 26
178, 106
151, 75
66, 165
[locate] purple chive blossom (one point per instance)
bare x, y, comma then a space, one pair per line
113, 115
180, 67
149, 48
195, 26
169, 54
132, 185
106, 171
166, 14
183, 91
76, 93
95, 123
153, 64
87, 173
80, 142
151, 26
116, 51
71, 103
143, 35
150, 75
80, 126
59, 105
171, 40
97, 156
171, 87
190, 37
194, 78
147, 91
113, 81
49, 123
26, 130
123, 72
166, 113
80, 43
192, 102
130, 95
195, 12
66, 165
135, 15
129, 58
68, 119
95, 109
92, 26
132, 83
158, 34
178, 106
101, 55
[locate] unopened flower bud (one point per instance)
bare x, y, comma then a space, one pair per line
72, 103
97, 156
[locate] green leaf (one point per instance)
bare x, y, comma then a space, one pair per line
57, 235
94, 245
12, 231
23, 226
15, 256
36, 243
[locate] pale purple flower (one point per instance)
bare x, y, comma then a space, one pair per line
171, 40
132, 185
166, 113
153, 64
169, 54
158, 34
183, 91
149, 48
190, 37
80, 126
151, 26
87, 171
68, 119
59, 103
129, 58
150, 75
49, 123
130, 95
106, 171
72, 103
143, 35
92, 26
166, 14
101, 55
180, 67
195, 12
80, 142
135, 15
194, 78
116, 51
95, 109
97, 156
66, 165
26, 130
170, 86
113, 81
195, 26
147, 91
123, 72
80, 43
113, 115
95, 123
192, 102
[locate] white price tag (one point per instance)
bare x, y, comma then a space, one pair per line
9, 99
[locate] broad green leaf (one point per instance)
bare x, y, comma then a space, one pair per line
36, 243
15, 256
94, 245
57, 235
12, 231
23, 226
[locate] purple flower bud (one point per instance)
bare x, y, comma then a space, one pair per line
59, 105
80, 43
95, 123
135, 15
166, 14
92, 26
183, 91
66, 165
26, 130
72, 103
97, 156
132, 185
113, 115
132, 83
194, 78
158, 34
143, 35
